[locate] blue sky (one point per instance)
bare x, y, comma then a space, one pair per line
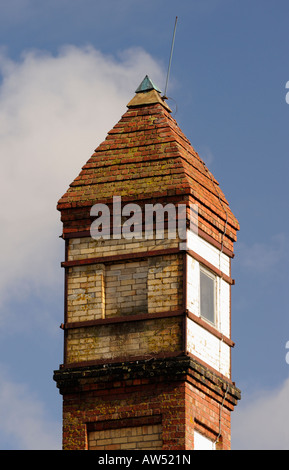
67, 71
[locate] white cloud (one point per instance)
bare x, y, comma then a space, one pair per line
261, 422
54, 111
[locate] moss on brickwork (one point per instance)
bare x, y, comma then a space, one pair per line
146, 155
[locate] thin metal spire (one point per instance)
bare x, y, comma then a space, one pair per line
170, 61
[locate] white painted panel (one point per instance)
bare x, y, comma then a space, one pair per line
203, 443
209, 252
208, 348
193, 285
224, 307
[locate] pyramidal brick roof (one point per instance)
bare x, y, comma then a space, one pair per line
146, 156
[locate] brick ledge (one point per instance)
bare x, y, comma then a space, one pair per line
145, 372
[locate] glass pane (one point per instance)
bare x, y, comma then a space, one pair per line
207, 297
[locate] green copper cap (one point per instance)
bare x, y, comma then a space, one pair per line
147, 85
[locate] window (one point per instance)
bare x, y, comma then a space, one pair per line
207, 295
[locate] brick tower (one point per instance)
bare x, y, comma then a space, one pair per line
147, 347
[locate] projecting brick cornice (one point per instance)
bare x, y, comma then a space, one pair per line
142, 372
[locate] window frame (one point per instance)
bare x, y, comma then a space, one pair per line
212, 276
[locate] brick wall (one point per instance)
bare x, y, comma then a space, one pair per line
120, 402
126, 288
207, 408
124, 298
85, 293
101, 290
147, 437
120, 288
165, 283
142, 408
124, 340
